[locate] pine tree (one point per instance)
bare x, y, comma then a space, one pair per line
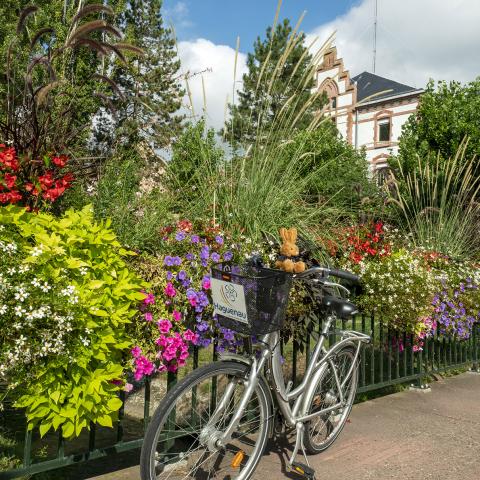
151, 87
259, 103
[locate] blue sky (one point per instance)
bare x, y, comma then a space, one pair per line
221, 21
416, 40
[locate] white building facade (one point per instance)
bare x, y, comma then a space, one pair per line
369, 110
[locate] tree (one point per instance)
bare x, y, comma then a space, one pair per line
279, 70
445, 116
151, 87
338, 173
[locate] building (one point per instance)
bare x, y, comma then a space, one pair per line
369, 110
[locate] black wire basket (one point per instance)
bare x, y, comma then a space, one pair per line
250, 300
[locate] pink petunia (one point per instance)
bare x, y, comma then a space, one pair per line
149, 299
177, 316
148, 316
136, 351
170, 290
164, 325
128, 387
190, 336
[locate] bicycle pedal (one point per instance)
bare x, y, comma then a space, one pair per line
303, 470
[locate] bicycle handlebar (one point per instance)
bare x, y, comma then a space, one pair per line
325, 271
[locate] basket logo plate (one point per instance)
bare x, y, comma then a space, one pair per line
229, 300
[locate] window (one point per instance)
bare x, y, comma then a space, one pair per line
334, 102
384, 126
383, 175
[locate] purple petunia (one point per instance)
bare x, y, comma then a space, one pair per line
215, 257
227, 256
195, 238
179, 236
219, 239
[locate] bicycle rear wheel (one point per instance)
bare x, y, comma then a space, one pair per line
181, 440
322, 431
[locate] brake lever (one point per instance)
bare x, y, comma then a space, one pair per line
338, 285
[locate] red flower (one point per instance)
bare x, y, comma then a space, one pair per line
46, 181
60, 161
184, 225
10, 180
8, 159
15, 196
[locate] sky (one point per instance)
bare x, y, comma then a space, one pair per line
416, 39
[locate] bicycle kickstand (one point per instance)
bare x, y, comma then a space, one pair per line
303, 469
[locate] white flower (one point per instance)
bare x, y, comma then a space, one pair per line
3, 309
35, 282
19, 311
45, 287
83, 270
37, 251
23, 268
11, 271
21, 295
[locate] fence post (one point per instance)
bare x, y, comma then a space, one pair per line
420, 384
475, 367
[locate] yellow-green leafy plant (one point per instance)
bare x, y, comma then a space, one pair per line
66, 295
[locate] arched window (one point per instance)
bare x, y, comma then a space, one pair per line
330, 87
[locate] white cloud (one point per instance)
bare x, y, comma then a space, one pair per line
217, 64
416, 39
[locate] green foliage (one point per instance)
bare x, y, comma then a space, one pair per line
151, 85
400, 288
195, 150
277, 86
340, 172
436, 203
132, 196
54, 74
66, 297
445, 116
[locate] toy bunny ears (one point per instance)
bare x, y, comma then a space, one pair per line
289, 235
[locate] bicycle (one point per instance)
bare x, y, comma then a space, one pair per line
216, 421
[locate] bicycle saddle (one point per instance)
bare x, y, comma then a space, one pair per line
341, 307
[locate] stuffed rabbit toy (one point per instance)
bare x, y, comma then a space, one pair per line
288, 259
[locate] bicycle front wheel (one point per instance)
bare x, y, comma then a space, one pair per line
321, 431
181, 440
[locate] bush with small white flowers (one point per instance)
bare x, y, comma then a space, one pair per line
65, 297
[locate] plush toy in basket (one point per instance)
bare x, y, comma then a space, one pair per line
288, 260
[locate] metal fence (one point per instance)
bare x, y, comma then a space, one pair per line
390, 359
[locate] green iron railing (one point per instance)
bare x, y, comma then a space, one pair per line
389, 360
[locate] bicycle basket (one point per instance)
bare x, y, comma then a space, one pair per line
250, 300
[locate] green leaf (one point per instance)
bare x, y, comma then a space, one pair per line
68, 429
105, 421
114, 404
44, 428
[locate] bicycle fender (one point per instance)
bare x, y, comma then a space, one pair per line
235, 358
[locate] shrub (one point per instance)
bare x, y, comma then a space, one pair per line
178, 312
131, 195
66, 295
340, 173
400, 288
437, 204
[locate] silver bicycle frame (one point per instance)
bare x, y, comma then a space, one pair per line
293, 404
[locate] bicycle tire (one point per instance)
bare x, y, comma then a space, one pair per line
323, 388
165, 408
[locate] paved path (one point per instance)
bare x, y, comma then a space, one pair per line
409, 436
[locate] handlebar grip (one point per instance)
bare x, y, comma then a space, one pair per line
345, 275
